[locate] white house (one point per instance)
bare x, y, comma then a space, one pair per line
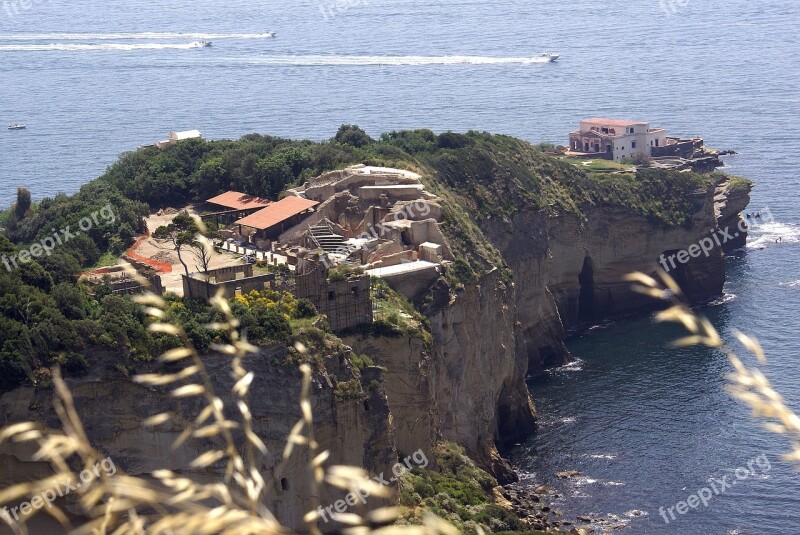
614, 139
176, 137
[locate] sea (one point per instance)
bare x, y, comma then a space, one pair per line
644, 426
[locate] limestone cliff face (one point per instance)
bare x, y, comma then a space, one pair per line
568, 269
356, 431
469, 387
730, 202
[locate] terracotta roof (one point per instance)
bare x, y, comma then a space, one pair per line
238, 201
277, 212
612, 122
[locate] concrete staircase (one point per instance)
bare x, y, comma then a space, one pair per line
326, 239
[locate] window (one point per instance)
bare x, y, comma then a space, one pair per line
331, 295
633, 144
354, 291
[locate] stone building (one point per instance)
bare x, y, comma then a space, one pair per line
614, 139
347, 303
234, 280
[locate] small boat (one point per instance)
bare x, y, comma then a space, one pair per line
549, 57
269, 34
17, 126
201, 44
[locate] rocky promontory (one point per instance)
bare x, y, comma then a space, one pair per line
531, 248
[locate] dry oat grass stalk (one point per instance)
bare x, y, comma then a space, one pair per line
747, 384
169, 503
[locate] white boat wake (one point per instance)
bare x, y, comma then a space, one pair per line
302, 61
764, 235
63, 47
131, 36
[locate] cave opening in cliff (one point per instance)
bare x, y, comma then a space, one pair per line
679, 271
586, 296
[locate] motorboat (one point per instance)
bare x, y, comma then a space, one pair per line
549, 57
17, 126
201, 44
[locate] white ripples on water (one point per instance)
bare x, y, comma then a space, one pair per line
120, 47
152, 36
773, 234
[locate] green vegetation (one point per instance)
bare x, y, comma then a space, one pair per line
349, 389
457, 491
106, 259
343, 272
737, 183
599, 165
666, 198
361, 361
460, 273
394, 315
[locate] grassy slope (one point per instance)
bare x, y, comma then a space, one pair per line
494, 176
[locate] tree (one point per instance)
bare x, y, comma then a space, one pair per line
203, 252
211, 178
178, 236
23, 204
350, 134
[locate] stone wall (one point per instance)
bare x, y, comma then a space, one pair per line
347, 303
231, 280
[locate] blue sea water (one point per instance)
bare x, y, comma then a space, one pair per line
648, 424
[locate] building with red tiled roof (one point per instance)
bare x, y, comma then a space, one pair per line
268, 223
610, 122
235, 200
616, 139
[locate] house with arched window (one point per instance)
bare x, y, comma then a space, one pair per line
614, 139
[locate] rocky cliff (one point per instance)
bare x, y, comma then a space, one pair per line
542, 247
469, 386
356, 428
568, 268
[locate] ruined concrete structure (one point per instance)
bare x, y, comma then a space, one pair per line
121, 282
347, 303
376, 218
233, 280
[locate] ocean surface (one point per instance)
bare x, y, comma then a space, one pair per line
645, 426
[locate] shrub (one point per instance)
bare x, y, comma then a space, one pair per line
350, 134
350, 389
305, 309
361, 361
